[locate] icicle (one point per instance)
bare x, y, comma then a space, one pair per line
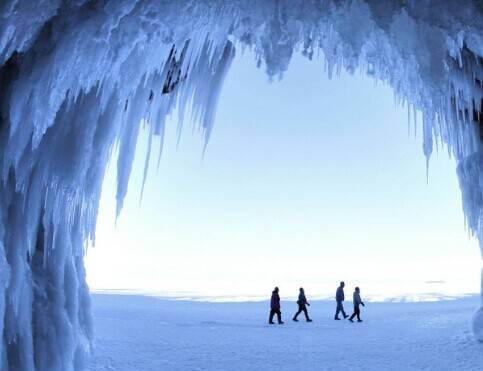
146, 162
427, 168
415, 120
409, 120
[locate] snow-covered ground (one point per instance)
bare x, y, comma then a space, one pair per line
147, 333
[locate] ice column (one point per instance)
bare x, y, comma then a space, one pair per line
49, 196
470, 175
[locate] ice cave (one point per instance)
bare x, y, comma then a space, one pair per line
79, 78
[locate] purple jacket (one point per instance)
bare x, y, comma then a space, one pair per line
275, 301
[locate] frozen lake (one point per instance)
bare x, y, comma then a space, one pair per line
146, 333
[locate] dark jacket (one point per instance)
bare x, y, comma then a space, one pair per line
275, 301
339, 295
357, 299
302, 299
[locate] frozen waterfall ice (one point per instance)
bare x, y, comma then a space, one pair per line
78, 78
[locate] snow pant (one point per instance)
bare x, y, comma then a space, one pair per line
278, 313
357, 312
340, 308
302, 308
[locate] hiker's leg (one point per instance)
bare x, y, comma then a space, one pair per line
272, 313
342, 310
298, 312
306, 314
337, 311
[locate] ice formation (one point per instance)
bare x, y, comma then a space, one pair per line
78, 78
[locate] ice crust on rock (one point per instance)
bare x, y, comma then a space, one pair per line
78, 78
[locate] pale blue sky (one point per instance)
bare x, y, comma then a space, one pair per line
306, 181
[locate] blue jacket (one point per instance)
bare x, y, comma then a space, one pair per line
339, 295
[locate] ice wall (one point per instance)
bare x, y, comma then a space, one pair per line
79, 77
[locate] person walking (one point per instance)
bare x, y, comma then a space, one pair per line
357, 303
339, 298
302, 303
275, 307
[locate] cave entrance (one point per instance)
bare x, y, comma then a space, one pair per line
306, 181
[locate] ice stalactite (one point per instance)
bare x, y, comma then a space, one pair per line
78, 78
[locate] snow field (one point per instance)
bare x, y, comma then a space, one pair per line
147, 333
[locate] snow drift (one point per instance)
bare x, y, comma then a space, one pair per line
78, 78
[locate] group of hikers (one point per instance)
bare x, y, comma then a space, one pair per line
303, 303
